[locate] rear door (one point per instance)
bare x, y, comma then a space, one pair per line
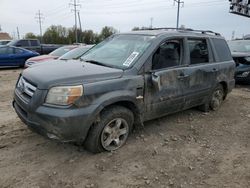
202, 71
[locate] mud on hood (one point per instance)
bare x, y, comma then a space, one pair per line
71, 72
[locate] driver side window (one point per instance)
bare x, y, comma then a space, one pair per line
167, 55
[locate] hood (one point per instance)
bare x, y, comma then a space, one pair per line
71, 72
42, 58
240, 54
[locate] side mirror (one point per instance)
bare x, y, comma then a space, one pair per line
156, 80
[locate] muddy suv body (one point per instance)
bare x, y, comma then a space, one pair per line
165, 72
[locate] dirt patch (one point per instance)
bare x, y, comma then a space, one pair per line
187, 149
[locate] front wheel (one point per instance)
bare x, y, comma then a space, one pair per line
112, 131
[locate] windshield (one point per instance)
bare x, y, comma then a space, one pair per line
75, 53
3, 42
119, 51
239, 46
61, 51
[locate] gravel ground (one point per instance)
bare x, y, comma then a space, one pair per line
187, 149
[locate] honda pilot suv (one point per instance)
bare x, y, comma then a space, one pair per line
122, 82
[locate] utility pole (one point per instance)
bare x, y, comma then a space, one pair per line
75, 6
39, 17
80, 24
17, 30
179, 3
151, 22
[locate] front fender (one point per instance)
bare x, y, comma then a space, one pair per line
118, 96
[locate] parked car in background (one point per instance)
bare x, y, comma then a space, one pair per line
4, 42
123, 81
51, 56
246, 37
14, 56
34, 45
240, 50
75, 53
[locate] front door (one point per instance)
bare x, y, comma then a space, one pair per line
165, 86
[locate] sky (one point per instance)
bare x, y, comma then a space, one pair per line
123, 15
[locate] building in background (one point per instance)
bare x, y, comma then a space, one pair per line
4, 36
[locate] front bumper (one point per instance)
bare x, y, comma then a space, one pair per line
66, 125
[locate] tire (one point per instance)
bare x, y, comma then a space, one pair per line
112, 131
217, 98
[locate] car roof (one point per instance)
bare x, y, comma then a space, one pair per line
174, 32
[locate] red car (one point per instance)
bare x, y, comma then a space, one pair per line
51, 56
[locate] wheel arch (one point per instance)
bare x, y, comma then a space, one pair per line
126, 102
225, 88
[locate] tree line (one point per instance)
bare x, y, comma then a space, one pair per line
57, 34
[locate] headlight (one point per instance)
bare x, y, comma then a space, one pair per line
245, 74
64, 95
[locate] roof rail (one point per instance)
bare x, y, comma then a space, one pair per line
185, 29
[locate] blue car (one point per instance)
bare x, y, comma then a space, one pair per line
13, 56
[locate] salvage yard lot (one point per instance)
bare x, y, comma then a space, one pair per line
187, 149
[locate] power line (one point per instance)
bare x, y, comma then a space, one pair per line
75, 6
153, 8
39, 17
179, 3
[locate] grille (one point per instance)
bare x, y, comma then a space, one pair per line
25, 89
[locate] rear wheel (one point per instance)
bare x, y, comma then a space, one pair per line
217, 98
112, 131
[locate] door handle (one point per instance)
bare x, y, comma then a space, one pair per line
182, 76
215, 70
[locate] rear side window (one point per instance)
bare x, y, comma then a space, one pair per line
34, 43
198, 50
23, 43
222, 50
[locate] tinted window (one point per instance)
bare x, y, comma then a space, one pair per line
61, 51
6, 50
167, 55
198, 51
3, 50
34, 43
18, 51
23, 43
9, 50
222, 50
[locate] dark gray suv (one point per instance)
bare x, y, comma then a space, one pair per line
123, 81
